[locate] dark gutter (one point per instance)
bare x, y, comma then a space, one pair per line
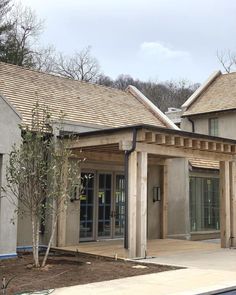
208, 113
127, 154
154, 129
193, 126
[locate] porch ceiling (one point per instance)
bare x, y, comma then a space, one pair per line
158, 141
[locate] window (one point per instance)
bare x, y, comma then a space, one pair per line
204, 203
86, 205
213, 127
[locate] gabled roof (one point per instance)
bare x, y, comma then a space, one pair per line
81, 102
217, 94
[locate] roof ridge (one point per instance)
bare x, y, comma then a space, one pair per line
201, 89
227, 74
149, 105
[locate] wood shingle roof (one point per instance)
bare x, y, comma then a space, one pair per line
204, 164
220, 95
81, 102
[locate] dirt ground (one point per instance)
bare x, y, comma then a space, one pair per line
67, 270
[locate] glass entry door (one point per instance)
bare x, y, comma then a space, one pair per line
119, 206
87, 206
104, 205
111, 205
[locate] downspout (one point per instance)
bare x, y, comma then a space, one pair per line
127, 153
193, 126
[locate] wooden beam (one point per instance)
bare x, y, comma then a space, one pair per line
188, 143
132, 204
150, 137
196, 144
125, 145
156, 161
172, 151
233, 149
160, 139
164, 203
227, 148
170, 140
100, 156
141, 218
141, 135
212, 146
97, 140
204, 145
232, 170
179, 141
224, 204
219, 147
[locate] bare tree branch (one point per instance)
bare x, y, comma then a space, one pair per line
81, 66
227, 59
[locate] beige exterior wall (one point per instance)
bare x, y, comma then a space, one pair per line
178, 199
226, 124
154, 208
73, 217
10, 134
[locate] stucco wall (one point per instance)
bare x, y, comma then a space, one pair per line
9, 134
178, 199
226, 124
153, 217
178, 204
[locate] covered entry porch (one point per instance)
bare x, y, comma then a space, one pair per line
155, 248
136, 145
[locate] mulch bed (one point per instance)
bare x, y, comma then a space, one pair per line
67, 270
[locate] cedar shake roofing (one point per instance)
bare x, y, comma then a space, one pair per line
220, 95
81, 102
204, 164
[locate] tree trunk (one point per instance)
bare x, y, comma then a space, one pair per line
34, 241
37, 240
50, 242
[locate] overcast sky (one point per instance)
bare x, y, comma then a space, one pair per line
148, 39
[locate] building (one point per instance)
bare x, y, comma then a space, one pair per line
211, 111
137, 159
9, 134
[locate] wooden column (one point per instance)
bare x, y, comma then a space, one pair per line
164, 202
62, 212
232, 170
141, 217
225, 204
132, 203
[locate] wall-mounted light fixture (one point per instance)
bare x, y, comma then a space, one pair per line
156, 194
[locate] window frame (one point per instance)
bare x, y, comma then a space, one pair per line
213, 126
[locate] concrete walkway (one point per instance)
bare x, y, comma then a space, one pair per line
218, 259
184, 282
209, 269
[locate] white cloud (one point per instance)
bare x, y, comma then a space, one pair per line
162, 51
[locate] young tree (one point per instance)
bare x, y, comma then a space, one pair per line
40, 169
